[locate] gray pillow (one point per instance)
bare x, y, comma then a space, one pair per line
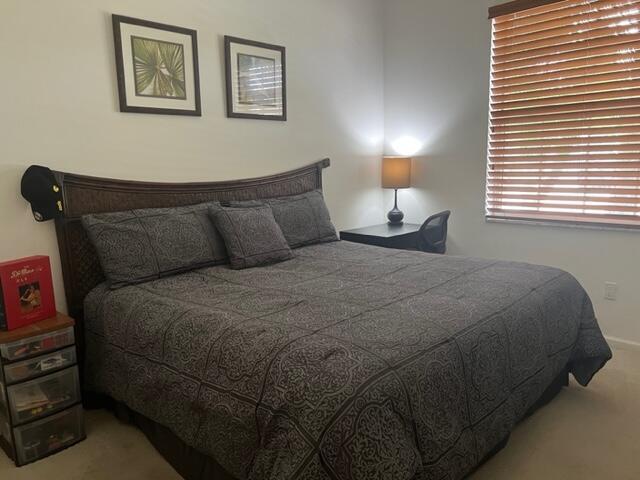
304, 219
251, 234
135, 246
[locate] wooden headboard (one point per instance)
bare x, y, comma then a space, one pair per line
84, 195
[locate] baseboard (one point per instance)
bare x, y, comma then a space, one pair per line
623, 344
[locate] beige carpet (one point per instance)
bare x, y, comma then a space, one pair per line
583, 434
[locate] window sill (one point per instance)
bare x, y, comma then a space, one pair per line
564, 224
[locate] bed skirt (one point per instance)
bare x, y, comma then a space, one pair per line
194, 465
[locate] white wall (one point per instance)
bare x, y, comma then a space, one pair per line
436, 90
59, 103
59, 108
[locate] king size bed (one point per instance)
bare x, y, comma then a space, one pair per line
345, 362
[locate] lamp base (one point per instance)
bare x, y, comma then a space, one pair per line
395, 216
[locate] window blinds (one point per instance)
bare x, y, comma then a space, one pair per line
564, 139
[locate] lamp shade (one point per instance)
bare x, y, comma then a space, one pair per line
396, 172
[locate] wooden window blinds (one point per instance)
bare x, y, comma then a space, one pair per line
564, 141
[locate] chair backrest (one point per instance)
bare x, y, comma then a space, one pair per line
432, 236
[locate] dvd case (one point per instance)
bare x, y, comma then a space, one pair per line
26, 292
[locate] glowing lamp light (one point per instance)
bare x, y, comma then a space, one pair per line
406, 146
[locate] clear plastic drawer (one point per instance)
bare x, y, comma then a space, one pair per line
36, 345
48, 435
42, 396
35, 367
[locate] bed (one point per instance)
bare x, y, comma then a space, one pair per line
347, 362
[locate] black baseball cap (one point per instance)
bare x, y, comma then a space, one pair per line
40, 189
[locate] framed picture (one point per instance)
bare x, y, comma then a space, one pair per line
157, 67
256, 79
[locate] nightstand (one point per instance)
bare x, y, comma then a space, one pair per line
403, 236
40, 404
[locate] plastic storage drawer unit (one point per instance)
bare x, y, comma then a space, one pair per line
40, 404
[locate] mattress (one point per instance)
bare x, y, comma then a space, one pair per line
349, 361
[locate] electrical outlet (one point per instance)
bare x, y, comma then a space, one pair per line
611, 291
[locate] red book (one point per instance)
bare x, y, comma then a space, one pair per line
26, 292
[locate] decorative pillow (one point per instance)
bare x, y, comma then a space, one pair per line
304, 219
135, 246
251, 234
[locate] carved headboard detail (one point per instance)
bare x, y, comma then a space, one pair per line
84, 195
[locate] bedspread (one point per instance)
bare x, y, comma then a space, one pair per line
347, 362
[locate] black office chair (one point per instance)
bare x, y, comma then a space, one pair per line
432, 236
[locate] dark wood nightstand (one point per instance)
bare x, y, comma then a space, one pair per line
402, 236
40, 409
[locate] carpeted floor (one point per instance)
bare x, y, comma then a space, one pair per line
583, 434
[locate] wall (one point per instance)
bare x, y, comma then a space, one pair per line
59, 108
436, 90
59, 105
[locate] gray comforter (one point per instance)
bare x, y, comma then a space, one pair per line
347, 362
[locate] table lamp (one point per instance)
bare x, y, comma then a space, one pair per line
396, 174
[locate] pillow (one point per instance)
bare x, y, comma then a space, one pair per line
251, 234
304, 219
135, 246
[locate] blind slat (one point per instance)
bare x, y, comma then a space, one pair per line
550, 143
551, 127
528, 190
573, 108
567, 206
568, 99
609, 114
558, 199
557, 190
541, 150
585, 80
595, 132
563, 176
562, 92
577, 215
568, 158
566, 183
565, 165
597, 222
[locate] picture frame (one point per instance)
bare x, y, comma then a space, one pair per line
157, 67
256, 79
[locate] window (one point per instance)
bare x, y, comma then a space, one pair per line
564, 141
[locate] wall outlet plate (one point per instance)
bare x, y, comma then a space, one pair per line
611, 291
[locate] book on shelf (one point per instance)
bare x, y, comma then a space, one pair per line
26, 292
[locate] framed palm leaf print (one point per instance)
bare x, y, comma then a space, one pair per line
157, 67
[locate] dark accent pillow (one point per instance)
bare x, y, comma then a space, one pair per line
135, 246
304, 219
251, 234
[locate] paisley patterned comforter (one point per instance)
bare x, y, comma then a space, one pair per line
347, 362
